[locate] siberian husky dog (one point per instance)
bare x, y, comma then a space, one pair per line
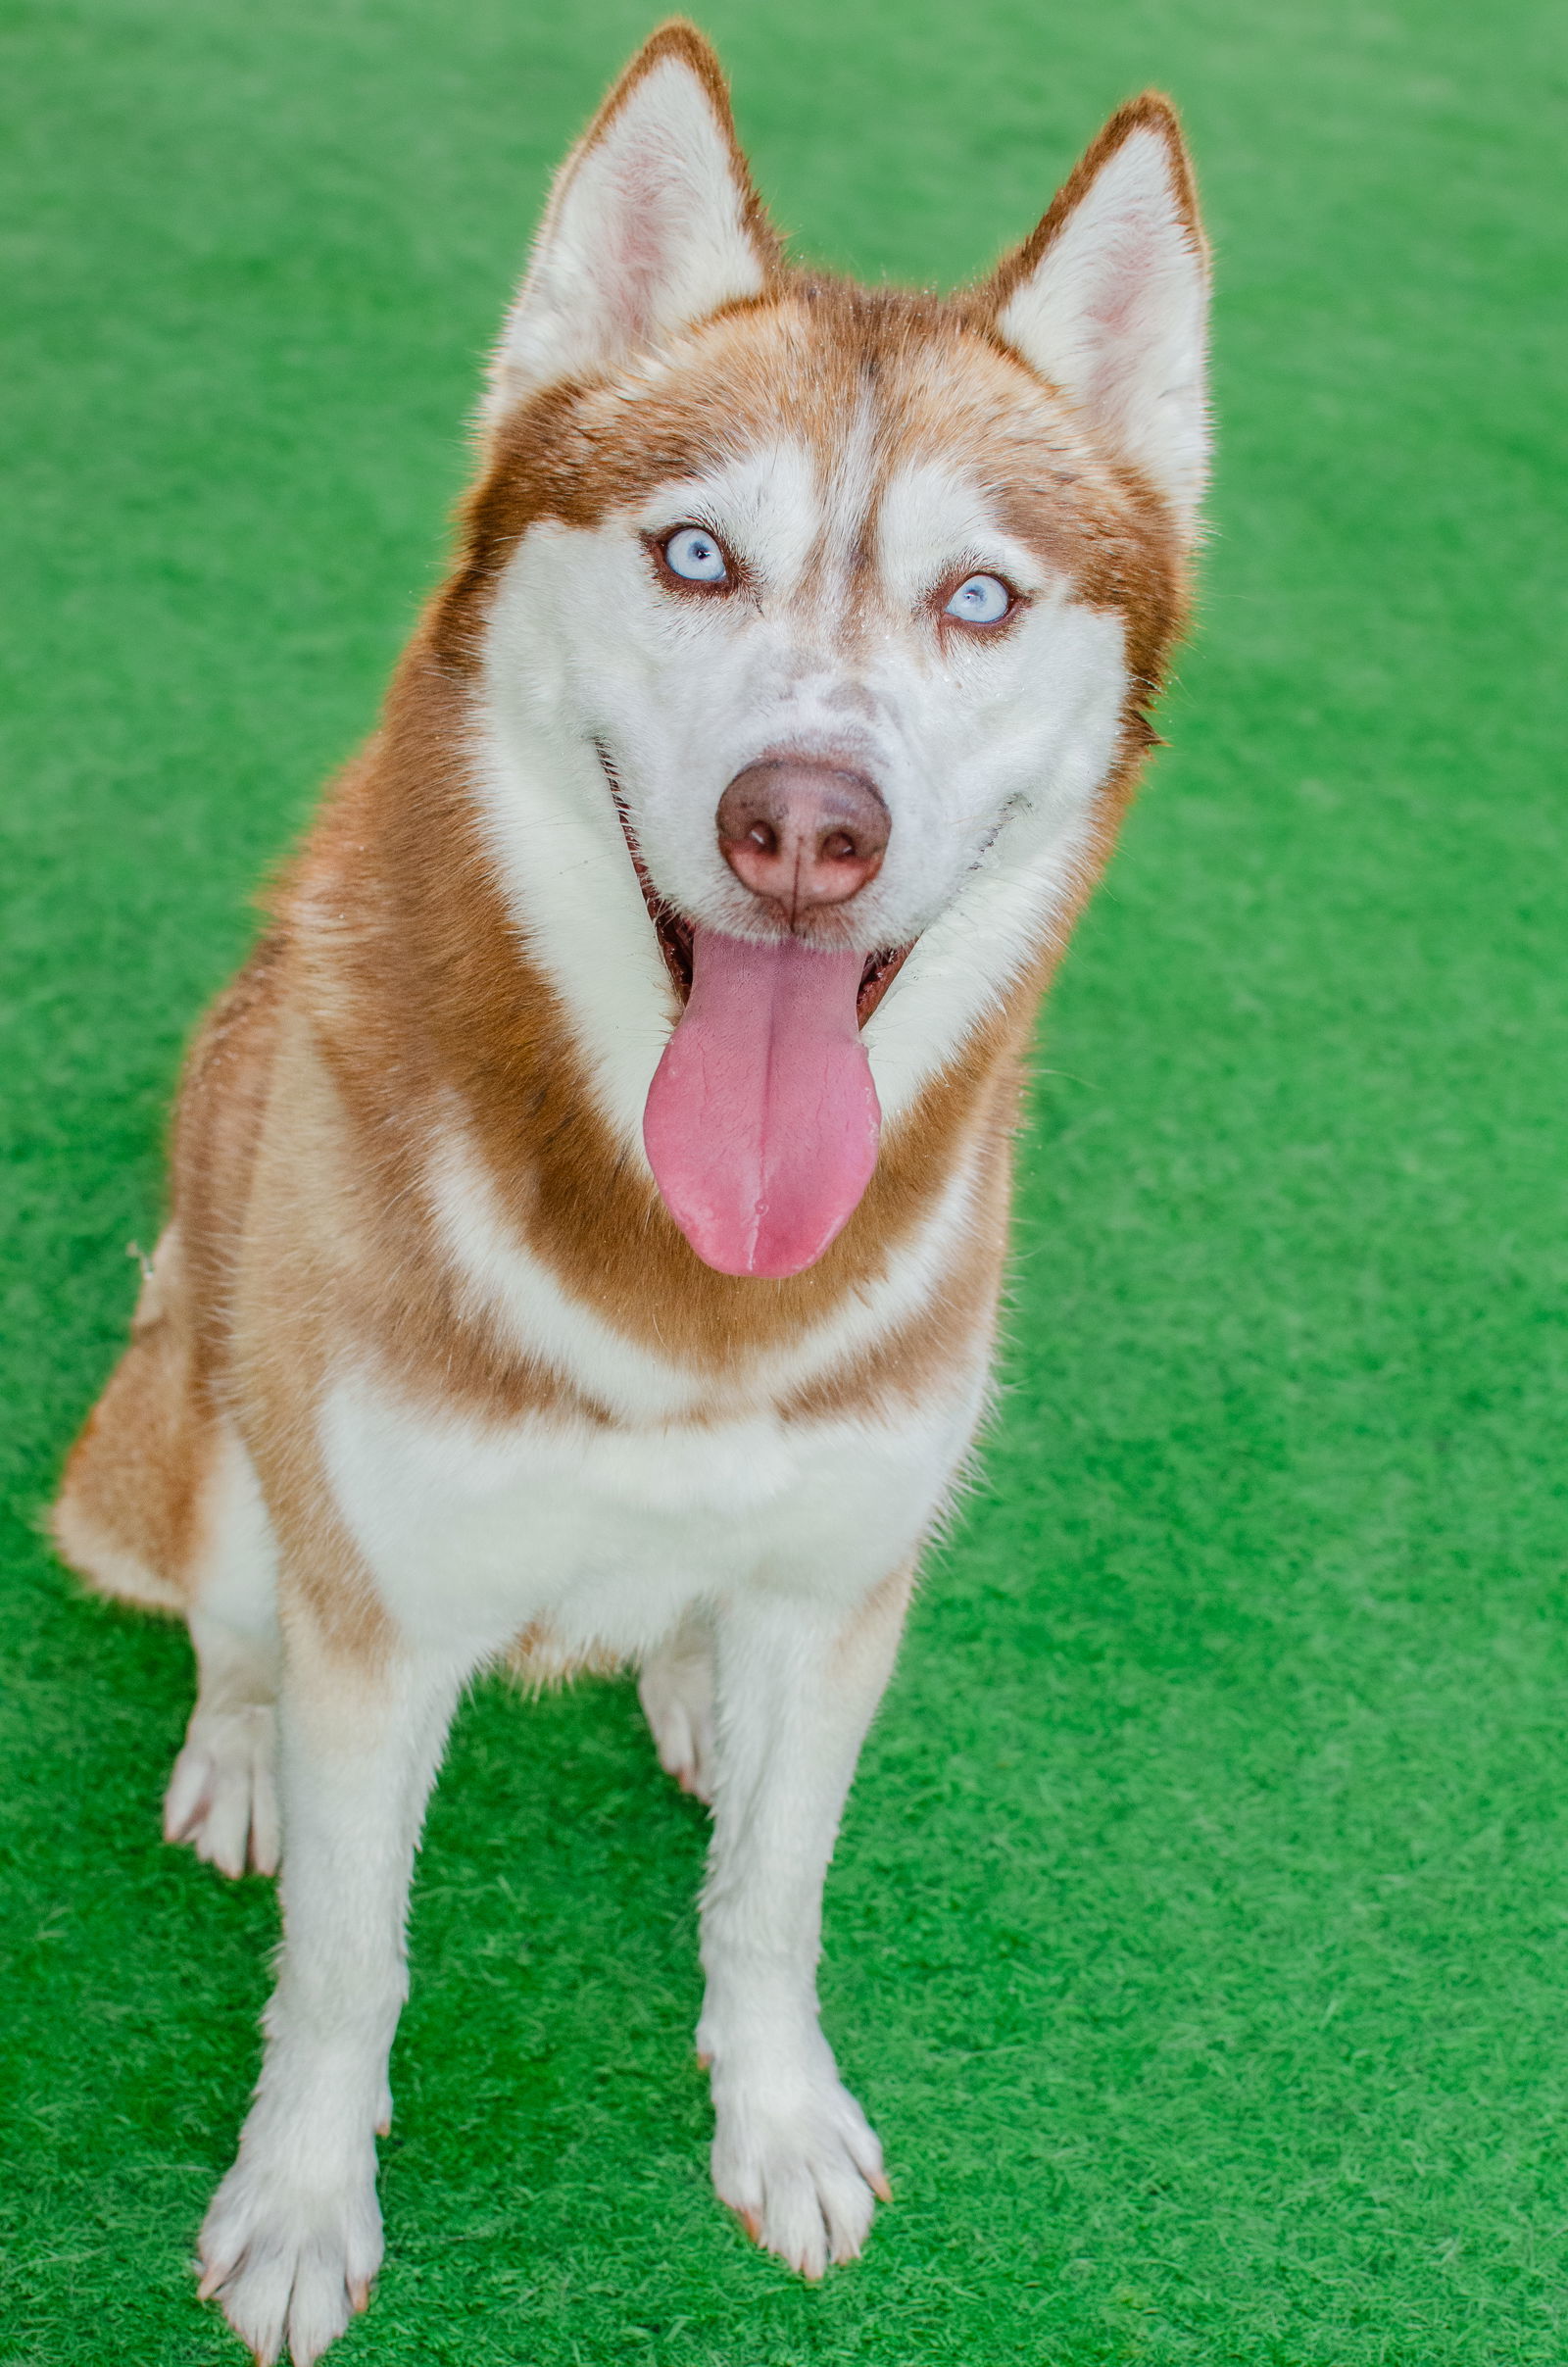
589, 1203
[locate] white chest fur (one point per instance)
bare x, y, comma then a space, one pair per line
603, 1533
603, 1536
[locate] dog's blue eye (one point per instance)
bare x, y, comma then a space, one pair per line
980, 600
696, 556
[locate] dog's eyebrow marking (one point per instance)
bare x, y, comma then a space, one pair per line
766, 502
931, 517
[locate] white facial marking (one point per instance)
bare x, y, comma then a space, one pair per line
583, 646
770, 503
1019, 890
987, 745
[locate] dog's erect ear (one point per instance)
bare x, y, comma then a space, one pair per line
1110, 300
653, 223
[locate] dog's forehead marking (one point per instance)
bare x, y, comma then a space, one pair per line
851, 478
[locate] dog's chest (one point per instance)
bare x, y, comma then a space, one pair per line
601, 1536
600, 1532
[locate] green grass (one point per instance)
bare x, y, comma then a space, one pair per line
1198, 1938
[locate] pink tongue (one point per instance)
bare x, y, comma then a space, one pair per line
761, 1122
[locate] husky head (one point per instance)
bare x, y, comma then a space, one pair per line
814, 631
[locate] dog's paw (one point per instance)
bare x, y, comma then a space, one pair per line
289, 2264
676, 1692
223, 1796
801, 2166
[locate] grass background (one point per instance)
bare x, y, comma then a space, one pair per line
1199, 1938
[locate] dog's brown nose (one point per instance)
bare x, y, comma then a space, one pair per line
801, 834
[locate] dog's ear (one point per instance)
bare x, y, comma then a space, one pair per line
653, 223
1110, 300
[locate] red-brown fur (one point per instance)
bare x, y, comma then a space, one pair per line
392, 979
393, 1103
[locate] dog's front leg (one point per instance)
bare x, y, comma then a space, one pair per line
797, 1689
293, 2235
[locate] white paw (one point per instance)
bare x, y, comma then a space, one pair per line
801, 2164
676, 1692
289, 2262
223, 1796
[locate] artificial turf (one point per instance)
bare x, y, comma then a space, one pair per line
1199, 1937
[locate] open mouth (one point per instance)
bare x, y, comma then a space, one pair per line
761, 1120
675, 930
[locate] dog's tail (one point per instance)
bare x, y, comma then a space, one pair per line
127, 1503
